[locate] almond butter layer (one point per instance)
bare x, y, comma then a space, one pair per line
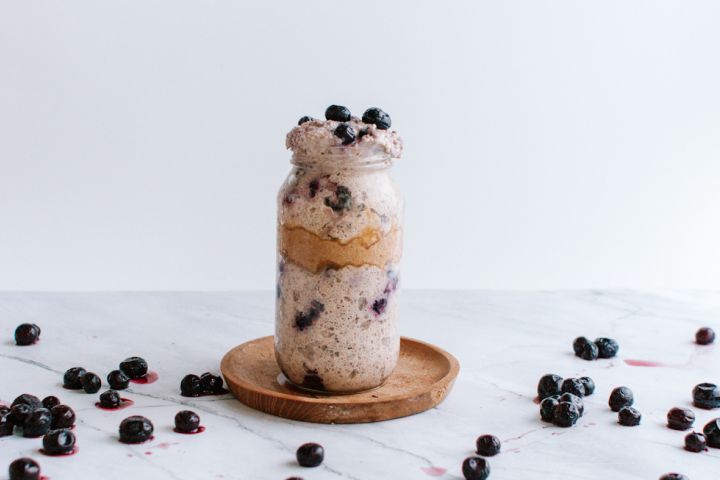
315, 254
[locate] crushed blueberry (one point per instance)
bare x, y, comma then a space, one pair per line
487, 445
706, 396
565, 414
589, 385
342, 200
475, 468
549, 385
62, 417
574, 386
695, 442
59, 442
377, 117
187, 421
110, 399
621, 397
680, 418
547, 406
337, 113
607, 347
705, 336
134, 367
24, 469
346, 133
50, 401
91, 383
305, 319
118, 380
37, 424
190, 386
72, 379
27, 334
629, 417
135, 429
310, 455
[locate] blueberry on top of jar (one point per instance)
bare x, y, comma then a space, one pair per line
337, 113
305, 119
346, 133
377, 117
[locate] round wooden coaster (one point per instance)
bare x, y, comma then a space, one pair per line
423, 378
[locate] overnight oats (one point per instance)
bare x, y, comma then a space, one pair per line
339, 248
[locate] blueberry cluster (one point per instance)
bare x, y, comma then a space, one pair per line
206, 384
601, 348
34, 418
344, 131
27, 334
561, 400
77, 378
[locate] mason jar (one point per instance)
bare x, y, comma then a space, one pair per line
339, 248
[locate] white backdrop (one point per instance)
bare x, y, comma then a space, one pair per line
548, 144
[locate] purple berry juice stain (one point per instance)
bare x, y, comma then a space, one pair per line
124, 403
200, 429
150, 377
434, 471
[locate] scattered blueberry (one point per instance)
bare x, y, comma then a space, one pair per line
590, 352
211, 383
565, 414
135, 429
24, 469
680, 418
59, 442
547, 406
621, 397
706, 396
487, 445
26, 399
310, 455
607, 347
342, 201
475, 468
346, 133
91, 383
674, 476
695, 442
134, 367
20, 413
50, 401
110, 399
575, 400
574, 386
712, 433
27, 334
579, 345
549, 385
118, 380
7, 424
377, 117
337, 113
705, 336
629, 417
190, 386
305, 119
72, 379
37, 424
304, 320
187, 421
589, 385
62, 417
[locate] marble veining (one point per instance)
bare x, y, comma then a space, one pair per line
504, 340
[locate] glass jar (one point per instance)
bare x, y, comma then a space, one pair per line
339, 248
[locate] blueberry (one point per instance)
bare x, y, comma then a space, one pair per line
187, 421
590, 352
695, 442
705, 336
712, 433
118, 380
91, 383
377, 117
37, 424
549, 385
305, 119
27, 334
211, 383
110, 399
190, 386
337, 113
706, 396
574, 386
6, 424
310, 455
579, 345
59, 442
362, 133
487, 445
565, 414
674, 476
50, 401
26, 399
475, 468
63, 417
607, 347
134, 367
135, 429
575, 400
20, 413
680, 418
547, 406
24, 469
73, 378
629, 417
342, 200
621, 397
589, 385
346, 133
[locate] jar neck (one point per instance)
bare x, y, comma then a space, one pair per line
343, 160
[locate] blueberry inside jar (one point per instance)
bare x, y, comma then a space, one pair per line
339, 249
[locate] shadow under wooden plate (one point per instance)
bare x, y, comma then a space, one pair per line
423, 378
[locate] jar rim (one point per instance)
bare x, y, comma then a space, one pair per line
343, 158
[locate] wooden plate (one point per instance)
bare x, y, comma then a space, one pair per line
423, 378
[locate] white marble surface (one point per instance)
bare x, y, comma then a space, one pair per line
504, 340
